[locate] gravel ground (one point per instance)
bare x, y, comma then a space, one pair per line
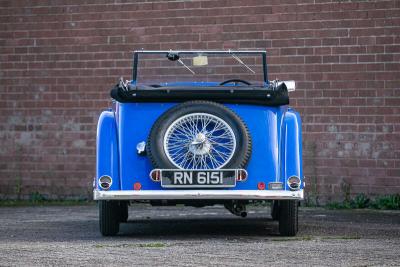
184, 236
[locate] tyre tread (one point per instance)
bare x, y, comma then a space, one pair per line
108, 217
288, 217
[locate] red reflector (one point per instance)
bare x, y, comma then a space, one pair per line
261, 186
137, 186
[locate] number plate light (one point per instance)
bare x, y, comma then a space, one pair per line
241, 175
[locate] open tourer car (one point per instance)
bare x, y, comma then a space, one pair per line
199, 128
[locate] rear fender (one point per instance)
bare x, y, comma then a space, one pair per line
291, 147
107, 149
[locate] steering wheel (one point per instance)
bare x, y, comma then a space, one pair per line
235, 81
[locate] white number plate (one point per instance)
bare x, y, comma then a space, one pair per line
198, 178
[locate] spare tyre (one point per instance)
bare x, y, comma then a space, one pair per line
199, 135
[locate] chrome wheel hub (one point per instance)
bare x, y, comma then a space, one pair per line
200, 145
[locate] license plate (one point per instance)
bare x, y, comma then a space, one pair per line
198, 178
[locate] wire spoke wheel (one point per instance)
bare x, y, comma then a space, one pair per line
199, 141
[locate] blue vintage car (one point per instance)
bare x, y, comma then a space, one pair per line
199, 128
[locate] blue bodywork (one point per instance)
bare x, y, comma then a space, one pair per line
275, 133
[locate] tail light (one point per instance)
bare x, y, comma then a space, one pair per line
294, 183
105, 182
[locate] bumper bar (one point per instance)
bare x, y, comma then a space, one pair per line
197, 194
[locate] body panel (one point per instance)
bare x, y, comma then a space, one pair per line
291, 147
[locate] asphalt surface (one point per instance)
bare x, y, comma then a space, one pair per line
185, 236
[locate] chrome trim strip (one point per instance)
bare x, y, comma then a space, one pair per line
197, 194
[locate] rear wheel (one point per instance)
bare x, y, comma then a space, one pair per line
288, 217
123, 211
275, 210
109, 217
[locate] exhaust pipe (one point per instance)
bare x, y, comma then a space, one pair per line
236, 208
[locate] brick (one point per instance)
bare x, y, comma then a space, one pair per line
344, 57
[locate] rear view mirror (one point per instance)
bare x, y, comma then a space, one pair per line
200, 61
173, 56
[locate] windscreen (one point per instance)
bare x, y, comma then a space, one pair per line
169, 69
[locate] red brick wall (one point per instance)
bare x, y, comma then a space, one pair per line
58, 60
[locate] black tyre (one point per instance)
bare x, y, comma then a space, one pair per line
275, 210
288, 217
123, 211
109, 217
199, 135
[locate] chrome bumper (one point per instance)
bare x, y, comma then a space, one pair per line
197, 194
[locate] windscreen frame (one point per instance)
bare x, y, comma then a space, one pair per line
136, 58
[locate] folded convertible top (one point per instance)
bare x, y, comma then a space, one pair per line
272, 96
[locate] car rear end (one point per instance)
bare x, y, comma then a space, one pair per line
184, 145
